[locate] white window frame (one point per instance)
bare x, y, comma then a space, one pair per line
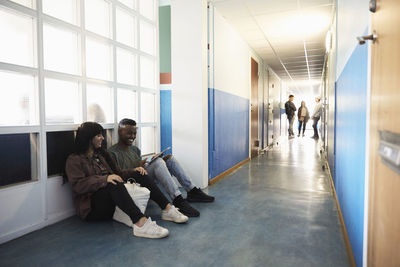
40, 73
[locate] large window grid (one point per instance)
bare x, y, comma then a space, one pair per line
74, 25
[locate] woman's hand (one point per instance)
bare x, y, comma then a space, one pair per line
113, 178
140, 170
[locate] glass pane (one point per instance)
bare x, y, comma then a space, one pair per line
147, 72
18, 102
100, 103
66, 10
147, 40
61, 50
17, 163
147, 8
129, 3
147, 140
59, 146
27, 3
17, 39
127, 104
98, 60
147, 107
62, 102
98, 17
126, 27
126, 67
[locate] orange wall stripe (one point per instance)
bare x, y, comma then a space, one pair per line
165, 78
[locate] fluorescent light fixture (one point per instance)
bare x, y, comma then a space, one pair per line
328, 41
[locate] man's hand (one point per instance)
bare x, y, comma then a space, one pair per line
142, 162
167, 157
140, 170
113, 178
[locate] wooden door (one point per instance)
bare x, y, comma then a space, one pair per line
384, 185
254, 108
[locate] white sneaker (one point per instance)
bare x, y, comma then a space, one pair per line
173, 215
150, 230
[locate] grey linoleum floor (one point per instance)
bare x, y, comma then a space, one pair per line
277, 210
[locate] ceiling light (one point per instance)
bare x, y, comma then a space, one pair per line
328, 41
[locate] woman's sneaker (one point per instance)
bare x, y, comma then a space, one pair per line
197, 195
173, 215
150, 230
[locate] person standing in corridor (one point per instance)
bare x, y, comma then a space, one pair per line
290, 109
303, 116
316, 116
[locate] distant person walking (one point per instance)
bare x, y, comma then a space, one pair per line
303, 116
316, 116
290, 109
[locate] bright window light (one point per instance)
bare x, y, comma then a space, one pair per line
66, 10
98, 60
147, 72
17, 39
61, 50
27, 3
100, 103
98, 17
127, 105
147, 8
129, 3
18, 102
147, 107
147, 140
126, 67
126, 28
147, 37
62, 102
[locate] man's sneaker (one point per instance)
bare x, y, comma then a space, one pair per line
173, 215
150, 230
197, 195
184, 207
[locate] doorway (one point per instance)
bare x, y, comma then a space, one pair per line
254, 109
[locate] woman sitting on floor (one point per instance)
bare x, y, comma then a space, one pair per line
98, 185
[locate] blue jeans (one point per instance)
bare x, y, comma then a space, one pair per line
162, 171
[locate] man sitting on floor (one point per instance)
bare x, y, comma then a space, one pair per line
161, 169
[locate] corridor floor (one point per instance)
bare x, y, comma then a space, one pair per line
277, 210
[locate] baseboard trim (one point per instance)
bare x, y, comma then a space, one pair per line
36, 226
345, 234
222, 175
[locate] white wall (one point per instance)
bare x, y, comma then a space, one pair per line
189, 80
231, 59
25, 207
348, 28
232, 65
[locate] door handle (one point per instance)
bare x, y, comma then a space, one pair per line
363, 39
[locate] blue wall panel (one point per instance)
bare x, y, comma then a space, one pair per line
351, 101
228, 131
166, 120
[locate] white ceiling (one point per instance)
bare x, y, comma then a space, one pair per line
288, 34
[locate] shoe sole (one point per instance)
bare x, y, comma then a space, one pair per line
172, 220
150, 236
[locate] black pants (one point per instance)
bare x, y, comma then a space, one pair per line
315, 123
104, 200
302, 123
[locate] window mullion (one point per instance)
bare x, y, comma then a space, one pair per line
83, 61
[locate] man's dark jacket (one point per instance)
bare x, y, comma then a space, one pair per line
290, 109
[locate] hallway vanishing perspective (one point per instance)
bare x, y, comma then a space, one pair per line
276, 210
